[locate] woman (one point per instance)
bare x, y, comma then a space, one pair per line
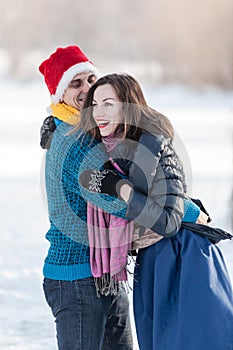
182, 292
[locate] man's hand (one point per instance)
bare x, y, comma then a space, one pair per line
203, 211
105, 181
202, 219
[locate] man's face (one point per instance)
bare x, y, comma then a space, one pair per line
75, 94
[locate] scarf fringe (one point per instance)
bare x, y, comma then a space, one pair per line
106, 285
109, 285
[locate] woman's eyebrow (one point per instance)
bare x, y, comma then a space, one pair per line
108, 98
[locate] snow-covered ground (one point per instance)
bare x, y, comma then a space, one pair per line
203, 120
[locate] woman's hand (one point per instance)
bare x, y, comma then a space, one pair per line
202, 219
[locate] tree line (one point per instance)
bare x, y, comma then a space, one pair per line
170, 40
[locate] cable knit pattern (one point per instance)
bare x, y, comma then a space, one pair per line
191, 211
69, 257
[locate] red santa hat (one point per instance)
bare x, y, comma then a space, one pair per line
60, 68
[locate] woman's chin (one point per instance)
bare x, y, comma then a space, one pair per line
106, 131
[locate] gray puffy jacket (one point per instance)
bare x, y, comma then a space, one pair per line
159, 185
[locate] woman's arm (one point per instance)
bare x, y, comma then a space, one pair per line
156, 199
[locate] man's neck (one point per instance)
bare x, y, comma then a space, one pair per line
65, 113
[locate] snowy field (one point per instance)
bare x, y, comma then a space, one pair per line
203, 120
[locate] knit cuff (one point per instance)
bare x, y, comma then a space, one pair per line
191, 211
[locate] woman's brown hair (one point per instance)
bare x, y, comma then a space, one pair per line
138, 115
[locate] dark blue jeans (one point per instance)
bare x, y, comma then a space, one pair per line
85, 321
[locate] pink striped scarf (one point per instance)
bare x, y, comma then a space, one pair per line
110, 239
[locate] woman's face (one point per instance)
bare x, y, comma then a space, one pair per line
107, 109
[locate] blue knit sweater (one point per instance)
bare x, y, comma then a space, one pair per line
68, 256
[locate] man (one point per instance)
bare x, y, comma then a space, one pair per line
84, 320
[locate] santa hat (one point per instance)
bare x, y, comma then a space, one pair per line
60, 68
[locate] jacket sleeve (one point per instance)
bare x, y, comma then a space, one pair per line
157, 198
162, 208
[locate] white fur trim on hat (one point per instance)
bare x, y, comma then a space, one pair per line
68, 76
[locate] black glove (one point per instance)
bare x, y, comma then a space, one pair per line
105, 181
46, 132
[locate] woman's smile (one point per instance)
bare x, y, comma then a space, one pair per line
107, 109
102, 123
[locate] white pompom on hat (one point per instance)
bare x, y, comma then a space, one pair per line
60, 68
